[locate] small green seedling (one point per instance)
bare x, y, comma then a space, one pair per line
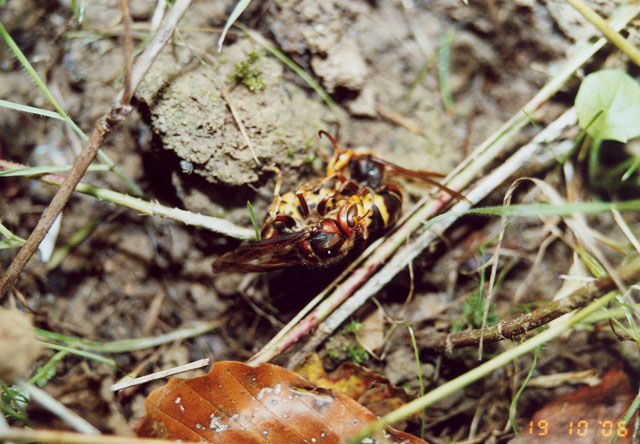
13, 403
248, 72
254, 221
472, 311
356, 353
353, 326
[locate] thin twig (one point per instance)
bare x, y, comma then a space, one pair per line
633, 240
100, 132
148, 56
102, 129
578, 225
511, 329
488, 298
525, 156
397, 118
132, 186
127, 44
483, 370
237, 119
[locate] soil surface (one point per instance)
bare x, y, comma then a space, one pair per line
206, 130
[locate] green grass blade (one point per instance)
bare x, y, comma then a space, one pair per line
419, 78
60, 253
78, 10
133, 187
36, 171
7, 233
444, 65
254, 221
483, 370
48, 370
514, 402
546, 209
82, 353
632, 169
12, 241
36, 78
128, 345
416, 353
237, 10
635, 404
30, 109
13, 403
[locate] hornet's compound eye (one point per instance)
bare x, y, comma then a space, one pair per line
326, 243
352, 214
366, 171
348, 219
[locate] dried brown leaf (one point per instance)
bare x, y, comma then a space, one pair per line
239, 404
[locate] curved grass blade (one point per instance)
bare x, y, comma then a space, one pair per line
127, 345
237, 10
30, 109
37, 171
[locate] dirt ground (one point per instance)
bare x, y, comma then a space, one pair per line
136, 276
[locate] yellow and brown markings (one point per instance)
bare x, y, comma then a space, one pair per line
323, 220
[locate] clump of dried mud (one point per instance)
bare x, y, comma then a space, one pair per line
191, 103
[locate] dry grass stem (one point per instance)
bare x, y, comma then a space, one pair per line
612, 34
57, 408
129, 382
589, 377
578, 224
399, 119
624, 227
127, 44
236, 118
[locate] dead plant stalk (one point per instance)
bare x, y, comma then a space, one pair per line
101, 131
511, 329
211, 223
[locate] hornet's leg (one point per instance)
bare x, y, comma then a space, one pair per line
275, 203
